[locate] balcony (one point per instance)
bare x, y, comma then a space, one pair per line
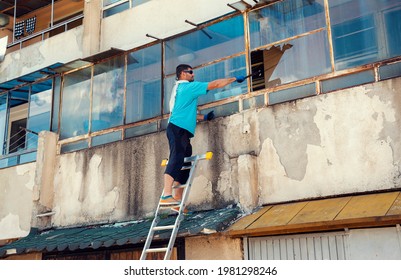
34, 21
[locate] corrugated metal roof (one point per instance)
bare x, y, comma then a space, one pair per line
117, 234
369, 210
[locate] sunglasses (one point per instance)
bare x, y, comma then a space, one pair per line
188, 71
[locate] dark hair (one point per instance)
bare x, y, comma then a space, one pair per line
181, 68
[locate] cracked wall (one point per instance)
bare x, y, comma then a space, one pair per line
16, 185
343, 142
337, 143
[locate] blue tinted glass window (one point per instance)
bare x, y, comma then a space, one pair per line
116, 9
365, 31
40, 105
223, 110
71, 147
254, 102
106, 138
140, 130
393, 30
75, 104
227, 68
144, 84
285, 19
292, 93
108, 94
390, 71
348, 81
208, 44
296, 60
29, 157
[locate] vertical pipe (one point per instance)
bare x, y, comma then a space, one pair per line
91, 105
329, 37
52, 14
125, 95
247, 40
15, 18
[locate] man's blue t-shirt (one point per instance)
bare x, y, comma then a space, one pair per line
186, 103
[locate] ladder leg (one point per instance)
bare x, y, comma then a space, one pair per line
180, 216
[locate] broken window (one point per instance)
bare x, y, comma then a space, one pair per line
288, 42
294, 60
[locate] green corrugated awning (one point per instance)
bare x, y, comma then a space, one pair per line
118, 234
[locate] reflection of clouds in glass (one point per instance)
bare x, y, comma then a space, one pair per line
75, 109
108, 92
40, 103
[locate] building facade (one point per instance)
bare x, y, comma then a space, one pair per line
306, 153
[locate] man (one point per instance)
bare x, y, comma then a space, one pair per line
181, 126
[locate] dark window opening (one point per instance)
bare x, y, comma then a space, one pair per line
17, 135
265, 62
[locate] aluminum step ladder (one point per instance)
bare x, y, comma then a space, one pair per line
193, 160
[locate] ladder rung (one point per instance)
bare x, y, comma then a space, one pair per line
156, 250
185, 167
180, 186
168, 206
163, 227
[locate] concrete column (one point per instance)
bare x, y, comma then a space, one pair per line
92, 27
43, 190
248, 182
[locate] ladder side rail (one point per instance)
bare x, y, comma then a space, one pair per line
151, 233
173, 236
149, 238
180, 216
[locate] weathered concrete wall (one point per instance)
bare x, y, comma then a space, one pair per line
16, 185
112, 182
214, 247
43, 54
339, 143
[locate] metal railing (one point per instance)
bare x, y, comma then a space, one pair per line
43, 32
21, 149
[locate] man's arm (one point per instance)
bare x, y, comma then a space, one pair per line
220, 83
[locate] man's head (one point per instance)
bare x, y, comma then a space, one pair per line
184, 72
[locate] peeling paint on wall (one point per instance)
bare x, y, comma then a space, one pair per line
10, 227
16, 185
345, 145
291, 128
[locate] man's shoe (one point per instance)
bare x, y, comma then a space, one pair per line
169, 200
177, 209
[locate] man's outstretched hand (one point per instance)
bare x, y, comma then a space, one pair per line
240, 79
209, 116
